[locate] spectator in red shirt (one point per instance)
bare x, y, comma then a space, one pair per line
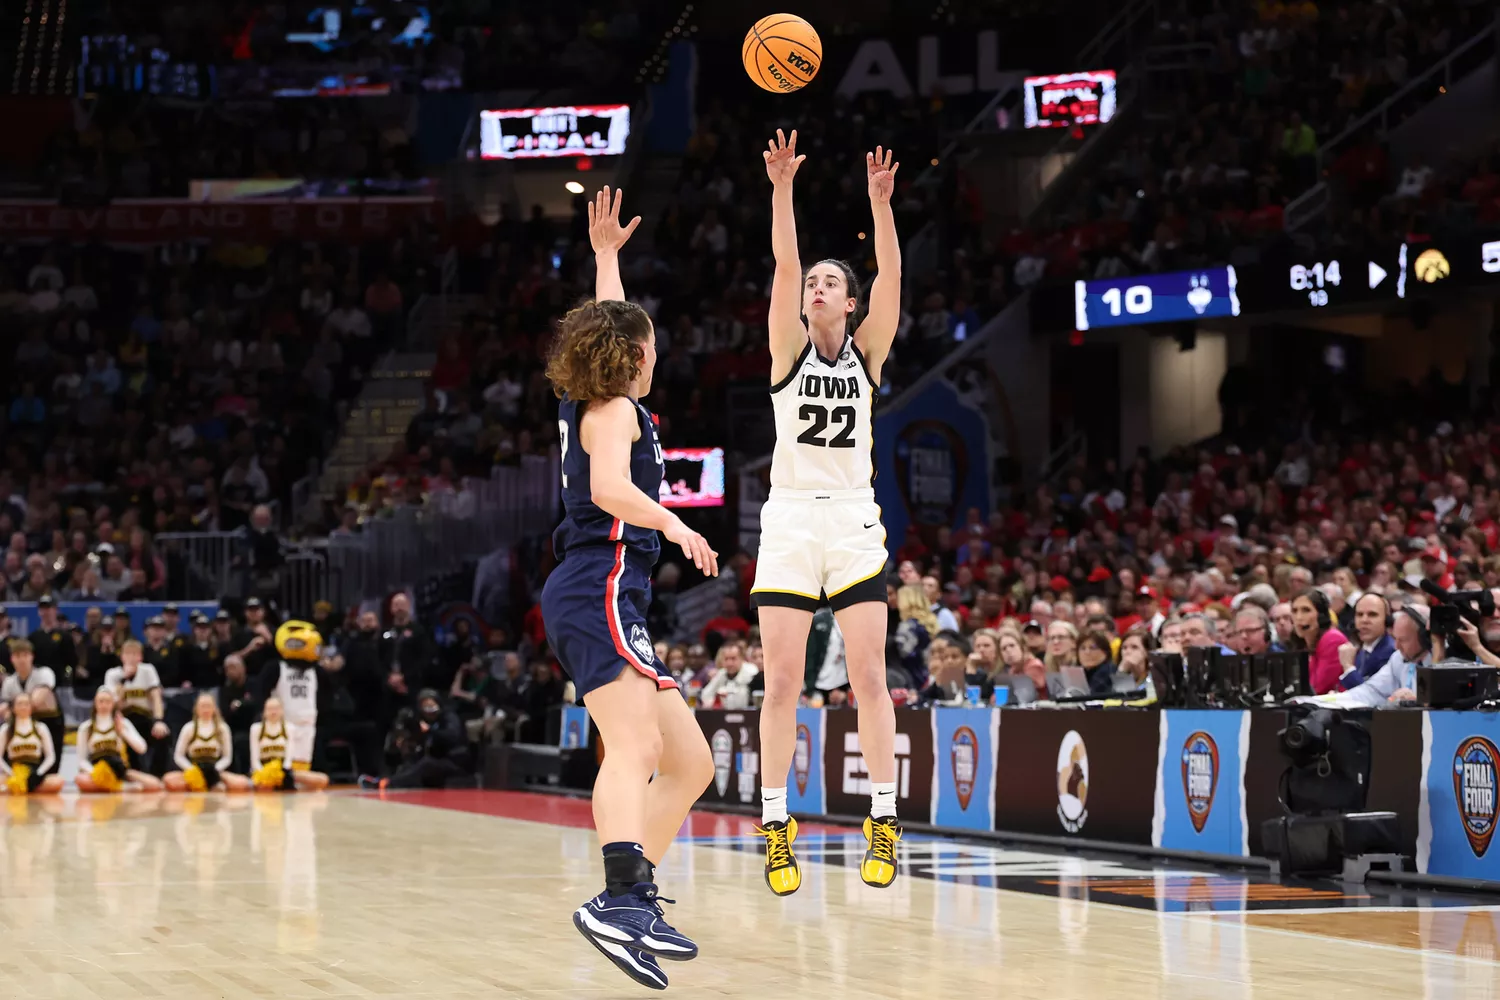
728, 622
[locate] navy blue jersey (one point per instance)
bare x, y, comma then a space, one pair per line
584, 523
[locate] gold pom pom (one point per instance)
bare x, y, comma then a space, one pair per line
193, 778
104, 776
20, 776
270, 776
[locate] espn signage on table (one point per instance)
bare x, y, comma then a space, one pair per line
569, 130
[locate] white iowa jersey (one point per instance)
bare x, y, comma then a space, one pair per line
824, 438
298, 690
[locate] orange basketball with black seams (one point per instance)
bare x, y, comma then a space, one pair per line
782, 53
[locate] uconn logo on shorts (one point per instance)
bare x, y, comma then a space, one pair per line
640, 641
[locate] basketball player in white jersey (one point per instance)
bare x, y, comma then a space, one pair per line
821, 537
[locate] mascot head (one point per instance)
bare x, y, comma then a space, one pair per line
298, 641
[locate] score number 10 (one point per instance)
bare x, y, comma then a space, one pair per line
1136, 300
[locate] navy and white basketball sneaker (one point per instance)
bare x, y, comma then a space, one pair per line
633, 920
638, 965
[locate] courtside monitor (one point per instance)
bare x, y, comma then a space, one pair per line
694, 477
575, 130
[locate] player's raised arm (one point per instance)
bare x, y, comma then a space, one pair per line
878, 330
608, 236
607, 431
786, 328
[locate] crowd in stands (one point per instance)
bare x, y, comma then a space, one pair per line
1255, 548
1229, 135
379, 675
174, 390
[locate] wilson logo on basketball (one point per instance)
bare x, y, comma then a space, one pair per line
1474, 766
802, 758
964, 755
1200, 776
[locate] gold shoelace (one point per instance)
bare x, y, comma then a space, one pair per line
778, 850
883, 837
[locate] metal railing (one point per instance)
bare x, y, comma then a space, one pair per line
411, 544
199, 564
1420, 90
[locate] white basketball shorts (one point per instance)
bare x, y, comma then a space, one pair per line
820, 545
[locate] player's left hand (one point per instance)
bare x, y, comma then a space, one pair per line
880, 172
605, 232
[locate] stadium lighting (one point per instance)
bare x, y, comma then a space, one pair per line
574, 187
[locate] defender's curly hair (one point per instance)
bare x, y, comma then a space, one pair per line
598, 350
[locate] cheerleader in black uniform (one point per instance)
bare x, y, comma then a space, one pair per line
27, 755
271, 754
205, 749
103, 741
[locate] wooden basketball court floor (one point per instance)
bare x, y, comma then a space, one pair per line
469, 895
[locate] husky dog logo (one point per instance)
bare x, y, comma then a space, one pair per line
722, 746
640, 641
1072, 782
1474, 766
963, 753
802, 758
1200, 776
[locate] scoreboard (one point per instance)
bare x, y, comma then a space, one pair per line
575, 130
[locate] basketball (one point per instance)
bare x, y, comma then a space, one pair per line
782, 53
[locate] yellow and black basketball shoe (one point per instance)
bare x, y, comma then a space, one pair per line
879, 866
782, 874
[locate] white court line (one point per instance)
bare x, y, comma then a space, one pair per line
1355, 942
1340, 909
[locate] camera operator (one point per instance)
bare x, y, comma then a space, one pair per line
432, 745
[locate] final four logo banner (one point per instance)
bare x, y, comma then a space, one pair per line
1457, 815
964, 742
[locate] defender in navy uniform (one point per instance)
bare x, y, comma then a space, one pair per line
594, 608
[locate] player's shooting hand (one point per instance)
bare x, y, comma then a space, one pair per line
880, 172
605, 232
694, 546
781, 158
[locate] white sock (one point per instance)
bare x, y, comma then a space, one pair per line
773, 804
882, 799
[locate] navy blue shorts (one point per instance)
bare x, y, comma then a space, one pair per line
594, 607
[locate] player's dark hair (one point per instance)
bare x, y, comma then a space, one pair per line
598, 350
851, 288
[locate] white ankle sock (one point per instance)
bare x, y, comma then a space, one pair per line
882, 799
773, 804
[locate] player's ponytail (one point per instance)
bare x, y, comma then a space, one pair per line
598, 350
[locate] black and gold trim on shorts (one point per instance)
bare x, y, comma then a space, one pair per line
871, 588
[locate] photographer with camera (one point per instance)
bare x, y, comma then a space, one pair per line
1457, 617
430, 743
